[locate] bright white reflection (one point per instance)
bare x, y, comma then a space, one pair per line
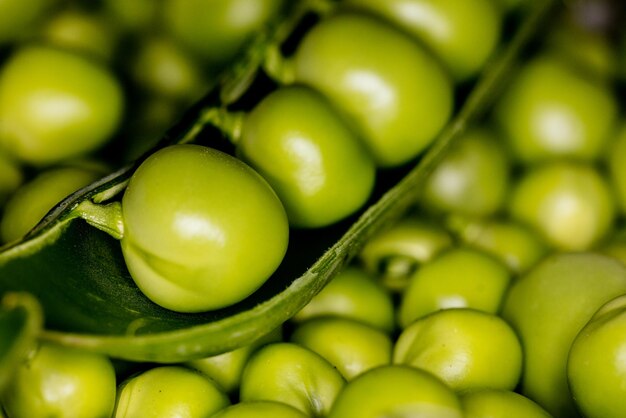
620, 365
567, 217
558, 128
379, 95
243, 13
451, 301
195, 227
309, 170
54, 107
424, 15
449, 182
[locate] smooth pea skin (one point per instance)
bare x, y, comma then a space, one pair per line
458, 278
202, 230
396, 391
169, 391
493, 403
472, 178
465, 348
353, 294
294, 375
391, 90
548, 307
552, 111
10, 177
260, 409
595, 368
33, 200
55, 105
63, 383
569, 204
351, 346
314, 162
463, 34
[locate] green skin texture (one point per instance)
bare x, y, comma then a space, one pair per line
565, 290
317, 166
515, 244
350, 346
294, 375
595, 365
56, 105
398, 251
465, 348
217, 30
10, 177
61, 382
396, 391
491, 403
617, 168
186, 202
551, 111
395, 95
30, 203
568, 203
458, 278
462, 34
169, 391
353, 294
472, 178
17, 17
260, 409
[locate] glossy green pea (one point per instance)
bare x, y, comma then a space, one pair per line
552, 111
493, 403
352, 294
10, 177
463, 34
55, 105
169, 391
595, 364
34, 199
260, 409
294, 375
467, 349
548, 307
202, 229
569, 204
515, 244
390, 89
472, 178
398, 251
458, 278
18, 17
351, 346
396, 391
316, 165
63, 383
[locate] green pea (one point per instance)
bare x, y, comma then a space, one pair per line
202, 229
56, 105
352, 294
317, 166
617, 169
396, 391
392, 91
133, 16
294, 375
10, 177
260, 409
463, 34
351, 346
169, 391
34, 199
61, 382
548, 307
495, 403
458, 278
569, 204
18, 17
467, 349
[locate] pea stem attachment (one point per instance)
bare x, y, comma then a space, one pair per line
107, 218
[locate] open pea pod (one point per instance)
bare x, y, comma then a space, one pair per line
90, 301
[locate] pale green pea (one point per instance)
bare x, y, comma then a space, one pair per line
495, 403
260, 409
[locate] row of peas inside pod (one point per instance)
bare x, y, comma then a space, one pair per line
388, 341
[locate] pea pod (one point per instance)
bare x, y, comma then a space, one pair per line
88, 297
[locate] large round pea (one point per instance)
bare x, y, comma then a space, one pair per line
55, 105
61, 382
393, 92
260, 409
463, 34
202, 230
316, 165
494, 403
169, 391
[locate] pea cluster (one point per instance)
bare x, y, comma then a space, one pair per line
499, 294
